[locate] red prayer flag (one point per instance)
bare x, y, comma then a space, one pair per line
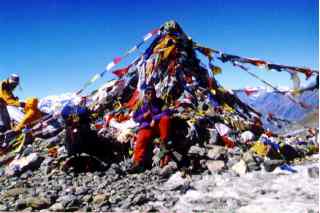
308, 73
121, 72
133, 100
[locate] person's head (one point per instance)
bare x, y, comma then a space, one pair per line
149, 93
13, 80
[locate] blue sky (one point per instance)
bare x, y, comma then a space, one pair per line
56, 46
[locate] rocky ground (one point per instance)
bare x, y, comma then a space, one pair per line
219, 187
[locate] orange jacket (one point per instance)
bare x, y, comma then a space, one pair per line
32, 113
6, 94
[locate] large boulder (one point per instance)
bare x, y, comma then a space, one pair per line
240, 168
216, 152
196, 151
215, 166
18, 166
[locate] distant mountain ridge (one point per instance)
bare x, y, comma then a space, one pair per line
281, 106
263, 100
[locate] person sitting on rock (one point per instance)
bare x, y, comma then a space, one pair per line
7, 98
153, 118
79, 137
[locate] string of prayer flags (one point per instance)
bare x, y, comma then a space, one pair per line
117, 60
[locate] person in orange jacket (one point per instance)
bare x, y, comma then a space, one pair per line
32, 114
7, 98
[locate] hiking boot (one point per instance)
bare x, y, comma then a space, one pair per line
165, 160
135, 169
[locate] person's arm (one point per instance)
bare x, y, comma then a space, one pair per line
144, 124
163, 111
8, 97
140, 115
158, 116
26, 119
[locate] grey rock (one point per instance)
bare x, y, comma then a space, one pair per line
87, 209
216, 153
139, 199
313, 172
270, 165
126, 203
169, 169
52, 141
152, 209
248, 157
170, 203
4, 208
236, 151
202, 164
47, 161
214, 135
253, 166
100, 198
51, 196
240, 168
72, 208
28, 209
197, 151
2, 172
81, 190
7, 158
70, 190
34, 193
105, 208
57, 207
87, 198
27, 151
58, 187
215, 166
14, 192
34, 162
20, 204
67, 200
175, 182
38, 202
117, 168
26, 175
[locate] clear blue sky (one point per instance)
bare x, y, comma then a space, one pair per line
56, 46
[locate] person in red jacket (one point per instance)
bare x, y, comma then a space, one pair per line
153, 117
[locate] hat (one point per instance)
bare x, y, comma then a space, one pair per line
14, 78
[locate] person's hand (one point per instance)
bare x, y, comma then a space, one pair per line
146, 114
152, 123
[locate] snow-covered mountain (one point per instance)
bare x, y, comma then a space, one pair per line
54, 103
263, 100
266, 101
